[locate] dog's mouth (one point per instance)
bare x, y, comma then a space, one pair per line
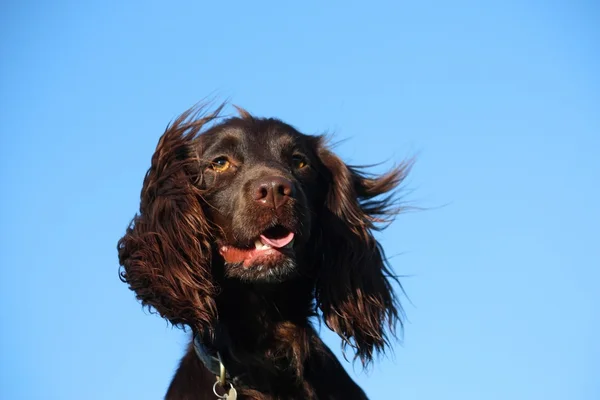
270, 245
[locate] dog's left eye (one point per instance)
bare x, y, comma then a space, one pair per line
299, 161
220, 164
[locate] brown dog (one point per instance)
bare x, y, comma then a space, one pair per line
246, 229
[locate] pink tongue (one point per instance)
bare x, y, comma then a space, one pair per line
277, 243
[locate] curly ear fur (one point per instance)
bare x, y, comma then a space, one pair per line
166, 252
354, 289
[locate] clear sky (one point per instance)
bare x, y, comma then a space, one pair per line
500, 101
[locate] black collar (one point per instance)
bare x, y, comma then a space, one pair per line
210, 358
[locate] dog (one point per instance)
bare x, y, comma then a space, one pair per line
248, 231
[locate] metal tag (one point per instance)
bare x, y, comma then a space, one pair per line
232, 394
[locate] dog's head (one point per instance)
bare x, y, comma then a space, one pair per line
254, 200
260, 180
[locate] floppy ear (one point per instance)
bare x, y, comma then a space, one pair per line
166, 254
354, 291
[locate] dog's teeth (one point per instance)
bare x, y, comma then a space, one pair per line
260, 245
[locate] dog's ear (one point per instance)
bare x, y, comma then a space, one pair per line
354, 288
166, 252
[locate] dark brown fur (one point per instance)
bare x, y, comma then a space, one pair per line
259, 317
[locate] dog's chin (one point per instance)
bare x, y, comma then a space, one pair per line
270, 258
272, 268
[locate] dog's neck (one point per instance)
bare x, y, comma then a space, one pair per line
256, 320
251, 310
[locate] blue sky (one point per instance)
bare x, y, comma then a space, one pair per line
500, 100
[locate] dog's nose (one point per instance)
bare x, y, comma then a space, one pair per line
273, 191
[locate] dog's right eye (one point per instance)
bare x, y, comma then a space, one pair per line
298, 161
220, 164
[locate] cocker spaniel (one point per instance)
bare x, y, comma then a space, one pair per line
246, 229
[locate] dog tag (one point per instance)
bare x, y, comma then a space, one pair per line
232, 394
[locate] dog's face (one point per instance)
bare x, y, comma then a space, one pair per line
253, 199
259, 181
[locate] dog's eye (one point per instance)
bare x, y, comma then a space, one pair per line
299, 161
220, 164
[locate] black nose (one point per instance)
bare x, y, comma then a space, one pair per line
272, 191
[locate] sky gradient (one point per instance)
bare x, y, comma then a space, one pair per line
498, 100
